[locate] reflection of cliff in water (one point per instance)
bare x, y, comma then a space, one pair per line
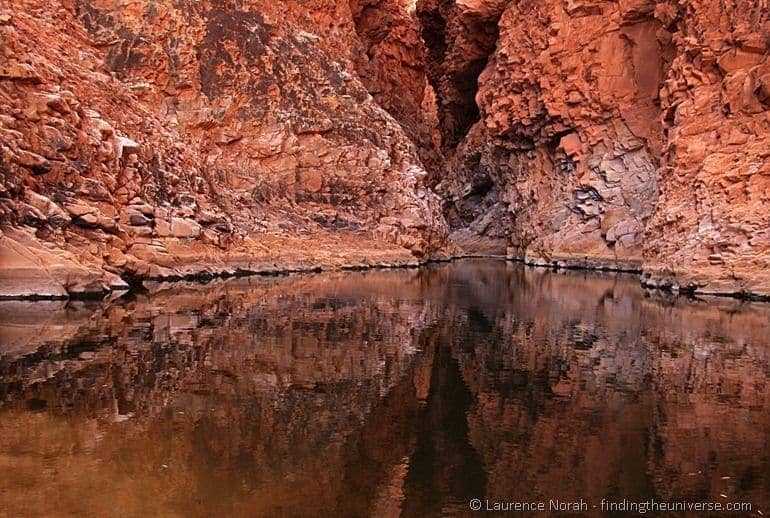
588, 389
247, 390
379, 392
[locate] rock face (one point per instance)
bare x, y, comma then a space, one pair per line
173, 138
151, 139
628, 134
711, 229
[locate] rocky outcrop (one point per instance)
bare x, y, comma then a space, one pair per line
392, 66
160, 139
711, 229
568, 132
628, 135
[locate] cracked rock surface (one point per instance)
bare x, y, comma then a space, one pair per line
165, 139
169, 138
630, 135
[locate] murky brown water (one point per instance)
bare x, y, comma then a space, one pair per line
382, 393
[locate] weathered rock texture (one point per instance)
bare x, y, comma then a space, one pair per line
712, 224
629, 134
163, 138
149, 139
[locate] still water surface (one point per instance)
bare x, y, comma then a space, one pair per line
382, 393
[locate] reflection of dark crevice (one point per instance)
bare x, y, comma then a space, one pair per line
445, 471
514, 409
479, 322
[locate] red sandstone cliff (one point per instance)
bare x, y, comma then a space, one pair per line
150, 139
629, 134
159, 139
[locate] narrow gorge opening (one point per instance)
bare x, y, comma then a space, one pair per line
460, 38
211, 175
458, 45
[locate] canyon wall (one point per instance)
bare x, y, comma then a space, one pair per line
625, 134
163, 139
711, 229
147, 139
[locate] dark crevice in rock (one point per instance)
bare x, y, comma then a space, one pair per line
463, 112
391, 65
458, 47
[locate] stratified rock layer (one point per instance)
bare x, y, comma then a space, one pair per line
628, 134
711, 229
156, 139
